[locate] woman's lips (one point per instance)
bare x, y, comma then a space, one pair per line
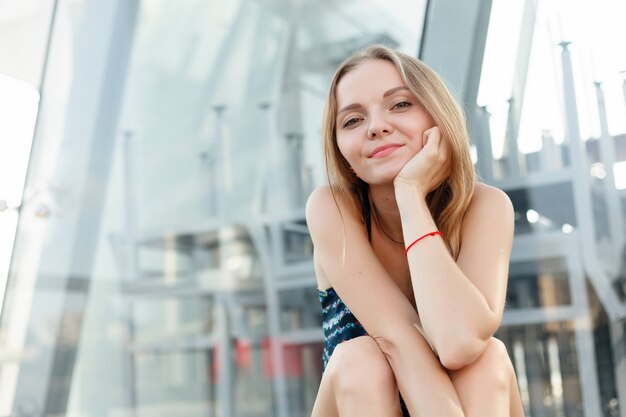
385, 151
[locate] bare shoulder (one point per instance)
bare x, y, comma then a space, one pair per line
319, 199
489, 205
323, 210
487, 197
323, 221
331, 225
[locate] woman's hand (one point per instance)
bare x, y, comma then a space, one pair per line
430, 166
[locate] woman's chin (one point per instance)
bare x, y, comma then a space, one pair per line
384, 178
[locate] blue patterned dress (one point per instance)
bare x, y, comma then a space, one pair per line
340, 325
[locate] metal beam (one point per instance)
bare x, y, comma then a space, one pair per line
67, 246
457, 55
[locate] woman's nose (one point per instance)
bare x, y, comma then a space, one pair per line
377, 130
378, 126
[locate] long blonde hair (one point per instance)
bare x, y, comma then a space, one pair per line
448, 202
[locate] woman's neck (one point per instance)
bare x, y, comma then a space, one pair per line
386, 209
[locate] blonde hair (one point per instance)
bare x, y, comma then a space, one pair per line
450, 200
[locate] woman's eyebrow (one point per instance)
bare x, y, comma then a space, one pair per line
393, 90
349, 107
387, 93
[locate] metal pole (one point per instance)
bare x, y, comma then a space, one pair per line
584, 218
616, 328
484, 152
216, 166
551, 159
607, 157
274, 262
131, 264
511, 150
225, 379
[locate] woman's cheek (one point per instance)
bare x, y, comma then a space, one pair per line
347, 151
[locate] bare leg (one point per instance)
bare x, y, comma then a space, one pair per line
488, 386
358, 381
517, 409
325, 402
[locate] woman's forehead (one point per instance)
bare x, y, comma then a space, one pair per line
370, 78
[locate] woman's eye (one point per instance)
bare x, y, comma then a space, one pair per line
350, 122
402, 104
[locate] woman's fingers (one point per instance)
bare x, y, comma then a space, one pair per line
440, 155
430, 166
432, 136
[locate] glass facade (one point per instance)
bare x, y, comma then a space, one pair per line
162, 263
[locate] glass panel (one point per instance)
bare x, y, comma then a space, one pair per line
298, 311
171, 318
174, 155
24, 33
303, 389
297, 242
19, 102
253, 388
8, 226
546, 365
543, 208
603, 333
43, 307
556, 141
538, 283
180, 383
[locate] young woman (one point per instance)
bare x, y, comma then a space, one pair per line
410, 300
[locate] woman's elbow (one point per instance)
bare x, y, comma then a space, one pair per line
457, 355
453, 362
458, 349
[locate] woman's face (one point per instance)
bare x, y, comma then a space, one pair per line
376, 109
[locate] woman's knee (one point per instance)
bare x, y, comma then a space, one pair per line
492, 367
358, 365
496, 363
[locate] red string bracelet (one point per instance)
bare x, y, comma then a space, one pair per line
436, 232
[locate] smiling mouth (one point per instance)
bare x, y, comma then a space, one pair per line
385, 151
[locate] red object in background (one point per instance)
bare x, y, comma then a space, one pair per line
215, 364
243, 354
243, 358
291, 355
292, 360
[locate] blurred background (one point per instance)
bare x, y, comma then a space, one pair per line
156, 156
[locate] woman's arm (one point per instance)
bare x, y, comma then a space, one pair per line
379, 304
460, 303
